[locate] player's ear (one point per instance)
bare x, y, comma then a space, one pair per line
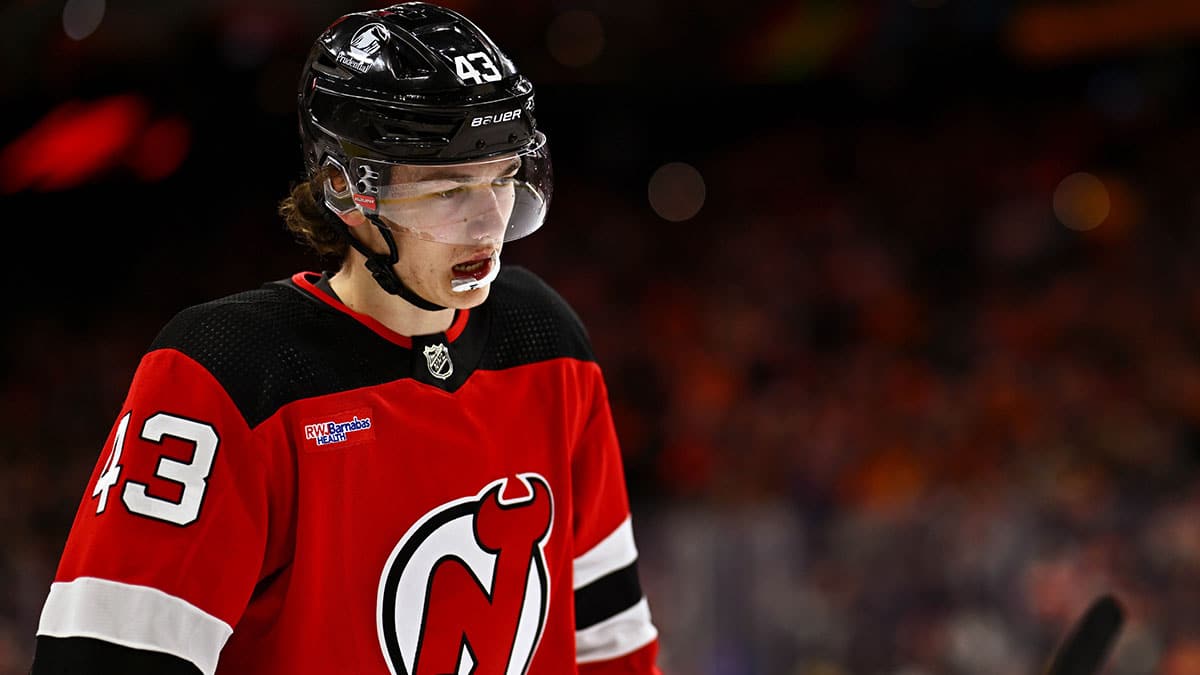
353, 218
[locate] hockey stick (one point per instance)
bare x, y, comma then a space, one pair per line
1085, 647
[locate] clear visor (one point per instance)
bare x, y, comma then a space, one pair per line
499, 199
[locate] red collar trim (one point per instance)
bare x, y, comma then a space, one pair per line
306, 280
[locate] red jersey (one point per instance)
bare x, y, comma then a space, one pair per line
291, 488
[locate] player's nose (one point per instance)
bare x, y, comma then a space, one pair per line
491, 216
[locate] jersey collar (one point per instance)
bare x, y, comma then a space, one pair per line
317, 285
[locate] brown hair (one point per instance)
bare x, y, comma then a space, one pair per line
308, 219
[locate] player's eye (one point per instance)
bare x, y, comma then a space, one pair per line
451, 193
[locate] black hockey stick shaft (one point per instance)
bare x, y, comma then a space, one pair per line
1085, 647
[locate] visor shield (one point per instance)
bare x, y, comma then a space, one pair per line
499, 199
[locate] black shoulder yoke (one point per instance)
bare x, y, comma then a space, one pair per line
277, 344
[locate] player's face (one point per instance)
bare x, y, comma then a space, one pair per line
450, 224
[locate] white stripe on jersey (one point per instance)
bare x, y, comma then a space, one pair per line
618, 635
134, 616
615, 552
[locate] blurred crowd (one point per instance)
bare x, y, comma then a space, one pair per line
883, 411
889, 413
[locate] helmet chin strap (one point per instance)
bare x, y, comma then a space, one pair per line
380, 265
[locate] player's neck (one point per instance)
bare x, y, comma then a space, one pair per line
359, 291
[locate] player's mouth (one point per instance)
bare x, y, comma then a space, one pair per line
481, 270
476, 268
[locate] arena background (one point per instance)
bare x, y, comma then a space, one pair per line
898, 300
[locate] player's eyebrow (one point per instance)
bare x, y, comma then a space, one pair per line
452, 173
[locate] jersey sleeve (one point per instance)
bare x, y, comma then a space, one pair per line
614, 631
172, 533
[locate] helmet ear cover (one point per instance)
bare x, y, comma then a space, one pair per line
340, 202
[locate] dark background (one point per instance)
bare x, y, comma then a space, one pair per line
909, 381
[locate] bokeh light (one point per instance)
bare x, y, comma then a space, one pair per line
1081, 201
81, 18
676, 191
575, 38
73, 143
162, 148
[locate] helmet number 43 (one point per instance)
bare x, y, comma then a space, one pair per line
467, 72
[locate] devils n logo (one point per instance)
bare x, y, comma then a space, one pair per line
466, 592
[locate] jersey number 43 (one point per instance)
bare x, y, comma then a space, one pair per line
193, 475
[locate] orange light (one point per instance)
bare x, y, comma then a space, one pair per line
1062, 32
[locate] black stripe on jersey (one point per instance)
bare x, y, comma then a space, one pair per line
86, 656
607, 596
277, 344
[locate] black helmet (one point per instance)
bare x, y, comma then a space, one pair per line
413, 83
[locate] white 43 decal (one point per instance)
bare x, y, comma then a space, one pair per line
467, 72
192, 475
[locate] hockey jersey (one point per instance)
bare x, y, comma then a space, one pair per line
290, 487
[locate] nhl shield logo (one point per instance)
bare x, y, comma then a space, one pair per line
437, 357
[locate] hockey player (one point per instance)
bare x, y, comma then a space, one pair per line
403, 465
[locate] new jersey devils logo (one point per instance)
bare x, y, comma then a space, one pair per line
466, 592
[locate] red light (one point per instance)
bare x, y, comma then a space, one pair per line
161, 149
71, 144
77, 141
